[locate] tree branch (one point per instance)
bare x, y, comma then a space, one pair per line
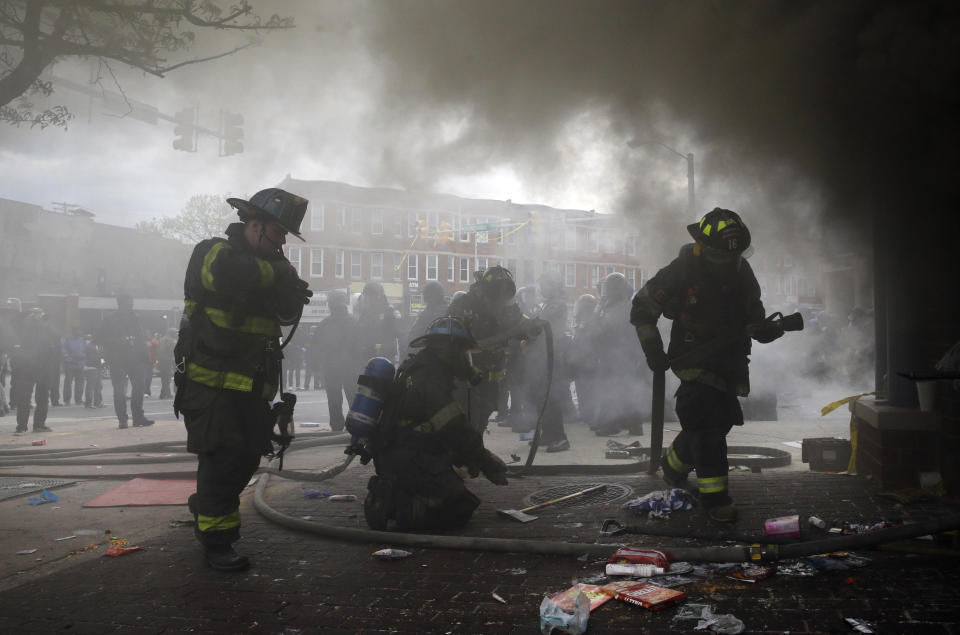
203, 59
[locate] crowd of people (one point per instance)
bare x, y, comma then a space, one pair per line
40, 369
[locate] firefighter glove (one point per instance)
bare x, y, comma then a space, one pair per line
766, 331
493, 468
657, 360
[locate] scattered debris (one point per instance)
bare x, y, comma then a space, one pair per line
342, 498
182, 523
118, 548
752, 573
569, 525
635, 555
785, 526
635, 570
649, 596
90, 532
40, 442
660, 503
796, 569
390, 554
817, 522
26, 552
553, 616
726, 623
316, 494
514, 458
860, 626
65, 538
516, 571
45, 497
496, 597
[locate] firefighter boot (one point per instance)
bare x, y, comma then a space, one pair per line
379, 507
723, 513
218, 551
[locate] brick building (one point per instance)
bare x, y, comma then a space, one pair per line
403, 240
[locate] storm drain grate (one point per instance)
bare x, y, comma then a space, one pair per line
613, 493
11, 487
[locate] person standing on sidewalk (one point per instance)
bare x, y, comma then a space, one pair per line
238, 292
336, 349
125, 349
31, 357
73, 350
165, 347
708, 291
92, 369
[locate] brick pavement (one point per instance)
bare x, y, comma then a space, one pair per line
301, 583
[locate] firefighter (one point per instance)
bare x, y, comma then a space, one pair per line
553, 309
424, 434
488, 311
239, 292
31, 359
583, 359
435, 305
618, 376
709, 290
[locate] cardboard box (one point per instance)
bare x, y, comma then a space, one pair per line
826, 454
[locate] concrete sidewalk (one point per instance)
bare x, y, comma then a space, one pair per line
301, 582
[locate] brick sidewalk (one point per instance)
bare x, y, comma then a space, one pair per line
303, 583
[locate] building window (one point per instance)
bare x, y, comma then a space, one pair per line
356, 265
341, 216
570, 274
294, 258
396, 220
464, 235
316, 217
432, 266
376, 222
595, 241
413, 267
570, 238
316, 262
595, 275
376, 265
356, 223
632, 277
338, 266
464, 270
397, 266
451, 269
482, 262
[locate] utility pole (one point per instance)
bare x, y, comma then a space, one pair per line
691, 187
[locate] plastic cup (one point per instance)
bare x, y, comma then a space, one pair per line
927, 393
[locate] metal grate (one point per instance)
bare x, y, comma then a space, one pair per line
11, 487
613, 493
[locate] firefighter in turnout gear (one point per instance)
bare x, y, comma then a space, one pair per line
489, 311
238, 292
709, 291
424, 434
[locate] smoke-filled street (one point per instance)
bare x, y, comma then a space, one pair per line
479, 316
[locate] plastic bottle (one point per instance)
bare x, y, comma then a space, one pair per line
636, 570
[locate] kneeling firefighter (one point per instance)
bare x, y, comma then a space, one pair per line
713, 298
239, 291
423, 434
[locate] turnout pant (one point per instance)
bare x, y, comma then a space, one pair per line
229, 434
93, 390
118, 377
706, 416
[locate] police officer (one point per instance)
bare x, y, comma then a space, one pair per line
125, 349
336, 353
435, 305
618, 379
425, 434
708, 291
489, 312
239, 292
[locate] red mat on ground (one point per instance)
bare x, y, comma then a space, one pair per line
145, 491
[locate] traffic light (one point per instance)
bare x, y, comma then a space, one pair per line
185, 132
231, 133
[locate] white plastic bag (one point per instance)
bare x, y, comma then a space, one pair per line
554, 617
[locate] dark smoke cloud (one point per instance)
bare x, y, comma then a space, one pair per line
797, 99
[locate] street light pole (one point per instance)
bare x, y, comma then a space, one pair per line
691, 187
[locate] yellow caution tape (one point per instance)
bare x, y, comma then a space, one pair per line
836, 404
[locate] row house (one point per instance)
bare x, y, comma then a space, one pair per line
354, 235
